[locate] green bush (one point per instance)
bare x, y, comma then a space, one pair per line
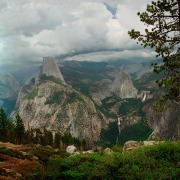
151, 162
42, 153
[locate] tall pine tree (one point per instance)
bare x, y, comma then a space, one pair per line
20, 129
162, 19
3, 125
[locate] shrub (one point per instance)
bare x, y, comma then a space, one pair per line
11, 152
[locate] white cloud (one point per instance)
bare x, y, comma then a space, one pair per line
32, 29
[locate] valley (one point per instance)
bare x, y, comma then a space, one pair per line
85, 98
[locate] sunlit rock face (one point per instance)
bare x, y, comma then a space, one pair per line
49, 102
118, 84
50, 69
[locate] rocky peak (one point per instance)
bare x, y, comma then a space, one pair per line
117, 84
50, 68
9, 86
46, 101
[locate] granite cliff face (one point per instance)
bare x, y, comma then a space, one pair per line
61, 108
49, 69
165, 125
118, 84
9, 86
49, 102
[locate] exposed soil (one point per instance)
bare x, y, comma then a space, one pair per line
16, 167
15, 147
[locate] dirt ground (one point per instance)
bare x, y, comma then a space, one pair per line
15, 147
16, 168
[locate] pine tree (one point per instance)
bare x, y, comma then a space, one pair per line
162, 19
11, 131
50, 138
57, 139
20, 129
3, 125
38, 134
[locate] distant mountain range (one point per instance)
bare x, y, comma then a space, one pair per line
92, 100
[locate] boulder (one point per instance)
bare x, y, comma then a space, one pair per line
90, 151
71, 149
18, 175
130, 145
97, 148
7, 170
77, 152
149, 143
108, 151
35, 158
24, 153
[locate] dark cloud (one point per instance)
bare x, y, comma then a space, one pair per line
32, 29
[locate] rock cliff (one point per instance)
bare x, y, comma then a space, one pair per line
118, 84
9, 86
49, 102
165, 125
49, 69
61, 108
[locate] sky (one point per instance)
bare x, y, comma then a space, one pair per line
80, 29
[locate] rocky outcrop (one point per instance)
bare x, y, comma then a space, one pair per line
126, 121
118, 84
9, 86
131, 145
165, 125
49, 69
71, 149
25, 89
61, 108
52, 104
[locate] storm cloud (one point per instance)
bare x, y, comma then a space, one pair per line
32, 29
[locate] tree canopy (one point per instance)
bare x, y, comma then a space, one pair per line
3, 125
20, 129
162, 19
